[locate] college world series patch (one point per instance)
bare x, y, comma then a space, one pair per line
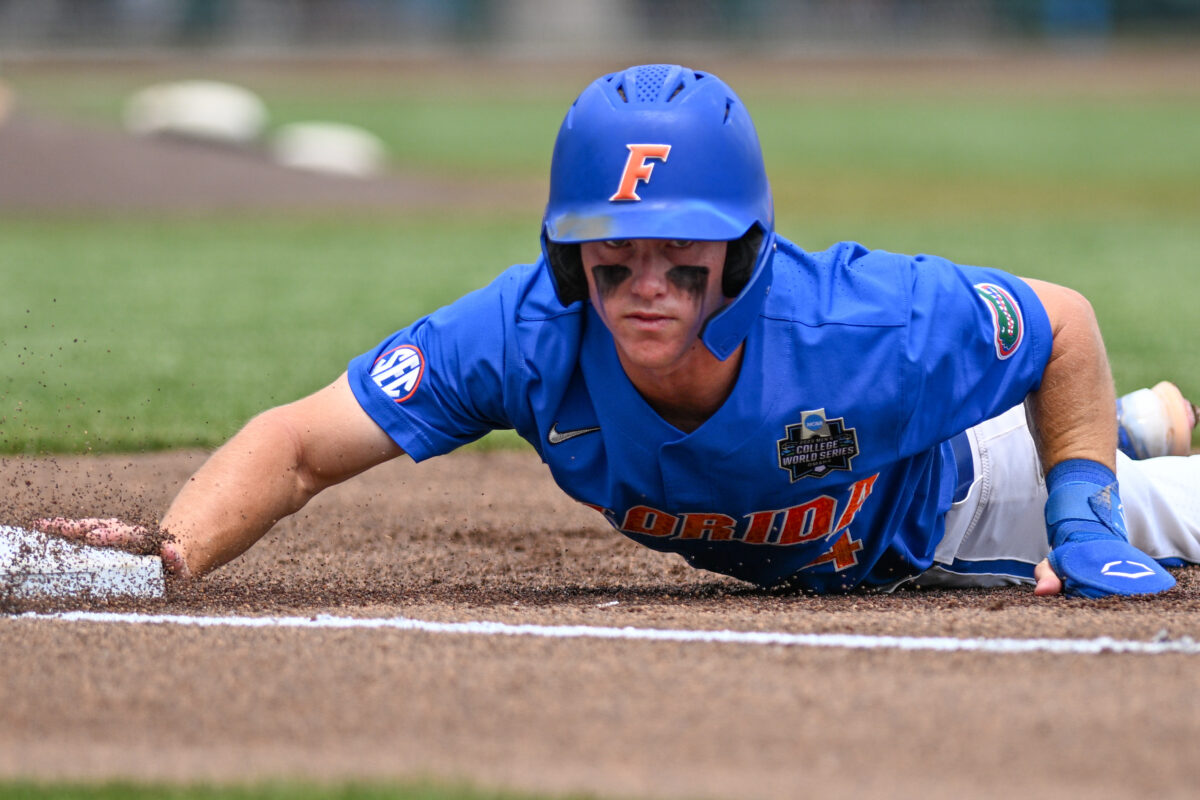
817, 446
1006, 318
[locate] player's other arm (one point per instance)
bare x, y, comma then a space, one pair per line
271, 468
1076, 432
1072, 411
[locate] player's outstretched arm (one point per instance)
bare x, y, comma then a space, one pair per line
268, 470
1075, 428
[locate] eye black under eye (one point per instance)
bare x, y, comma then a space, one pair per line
610, 276
689, 278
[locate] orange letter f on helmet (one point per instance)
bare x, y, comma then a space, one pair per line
636, 168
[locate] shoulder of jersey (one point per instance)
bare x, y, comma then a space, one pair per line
534, 293
845, 284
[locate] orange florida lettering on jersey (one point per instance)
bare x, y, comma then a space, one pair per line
638, 168
843, 553
809, 521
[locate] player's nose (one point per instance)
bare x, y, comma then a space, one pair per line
649, 266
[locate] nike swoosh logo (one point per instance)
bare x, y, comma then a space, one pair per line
555, 436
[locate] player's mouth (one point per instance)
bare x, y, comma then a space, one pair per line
644, 320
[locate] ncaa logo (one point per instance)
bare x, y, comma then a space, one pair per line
398, 371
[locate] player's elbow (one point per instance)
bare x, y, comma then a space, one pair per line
277, 431
1070, 313
1075, 309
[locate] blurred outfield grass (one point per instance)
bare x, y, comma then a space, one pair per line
124, 333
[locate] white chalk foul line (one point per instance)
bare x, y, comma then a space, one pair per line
1103, 644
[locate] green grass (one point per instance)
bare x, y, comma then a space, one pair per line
1089, 141
126, 334
23, 790
130, 334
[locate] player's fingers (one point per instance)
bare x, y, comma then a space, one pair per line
119, 535
175, 561
1047, 581
95, 530
71, 528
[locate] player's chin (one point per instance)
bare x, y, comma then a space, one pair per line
653, 353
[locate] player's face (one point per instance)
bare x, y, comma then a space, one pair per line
654, 295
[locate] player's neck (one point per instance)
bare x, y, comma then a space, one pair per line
687, 395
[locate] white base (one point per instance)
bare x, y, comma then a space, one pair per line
207, 110
33, 564
330, 147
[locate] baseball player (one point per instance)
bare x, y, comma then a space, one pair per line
821, 421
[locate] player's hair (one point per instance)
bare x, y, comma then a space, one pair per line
739, 261
566, 265
705, 182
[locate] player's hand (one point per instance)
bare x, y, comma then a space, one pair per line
1090, 553
112, 532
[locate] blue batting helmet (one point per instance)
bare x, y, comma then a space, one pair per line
663, 152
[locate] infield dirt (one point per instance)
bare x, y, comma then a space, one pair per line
479, 536
488, 537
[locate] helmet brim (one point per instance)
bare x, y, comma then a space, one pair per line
673, 219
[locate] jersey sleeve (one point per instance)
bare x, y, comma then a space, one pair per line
977, 343
439, 383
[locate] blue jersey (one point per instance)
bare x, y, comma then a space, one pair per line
827, 468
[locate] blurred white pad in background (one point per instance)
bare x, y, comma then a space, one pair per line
33, 564
329, 147
207, 110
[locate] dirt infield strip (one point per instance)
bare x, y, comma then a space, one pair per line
487, 537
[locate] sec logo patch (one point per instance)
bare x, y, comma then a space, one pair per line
398, 371
1007, 324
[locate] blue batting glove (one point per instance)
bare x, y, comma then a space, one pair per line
1090, 549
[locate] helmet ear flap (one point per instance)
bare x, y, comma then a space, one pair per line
740, 257
566, 264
